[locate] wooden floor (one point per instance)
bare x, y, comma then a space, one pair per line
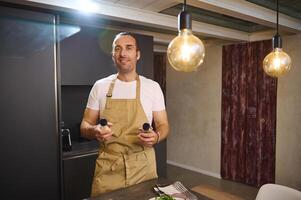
191, 179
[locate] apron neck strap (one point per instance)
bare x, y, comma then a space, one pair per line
110, 92
137, 87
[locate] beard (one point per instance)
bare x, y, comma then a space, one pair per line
126, 67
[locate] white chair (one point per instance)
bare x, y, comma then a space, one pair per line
277, 192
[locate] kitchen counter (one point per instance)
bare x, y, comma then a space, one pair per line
80, 149
141, 191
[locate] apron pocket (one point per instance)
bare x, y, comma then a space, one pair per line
136, 168
105, 178
141, 167
102, 167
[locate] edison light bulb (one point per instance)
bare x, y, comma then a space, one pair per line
277, 63
186, 52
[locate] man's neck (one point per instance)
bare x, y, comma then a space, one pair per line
127, 77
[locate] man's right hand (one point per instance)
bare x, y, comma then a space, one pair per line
103, 133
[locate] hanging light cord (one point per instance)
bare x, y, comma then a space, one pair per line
184, 6
277, 16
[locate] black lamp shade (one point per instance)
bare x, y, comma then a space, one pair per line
184, 20
277, 41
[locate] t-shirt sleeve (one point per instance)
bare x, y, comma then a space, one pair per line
158, 101
93, 100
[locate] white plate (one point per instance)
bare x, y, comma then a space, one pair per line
176, 198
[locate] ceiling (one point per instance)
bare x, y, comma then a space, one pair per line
206, 16
255, 19
289, 7
233, 20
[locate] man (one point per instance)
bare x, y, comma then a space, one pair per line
127, 101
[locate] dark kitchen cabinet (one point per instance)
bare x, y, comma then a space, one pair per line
29, 145
78, 176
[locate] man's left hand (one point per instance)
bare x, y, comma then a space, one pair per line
149, 138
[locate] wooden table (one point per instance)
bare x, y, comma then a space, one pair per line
142, 191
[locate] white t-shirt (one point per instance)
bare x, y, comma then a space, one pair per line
151, 95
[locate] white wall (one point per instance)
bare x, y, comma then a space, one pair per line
193, 106
288, 140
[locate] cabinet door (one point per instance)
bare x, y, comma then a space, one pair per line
29, 145
78, 176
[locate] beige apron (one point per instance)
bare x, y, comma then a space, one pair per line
123, 161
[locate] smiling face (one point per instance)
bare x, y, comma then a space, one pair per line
125, 54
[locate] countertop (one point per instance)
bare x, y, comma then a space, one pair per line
80, 149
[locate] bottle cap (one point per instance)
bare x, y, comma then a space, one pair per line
146, 126
103, 122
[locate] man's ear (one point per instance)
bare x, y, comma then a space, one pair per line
138, 55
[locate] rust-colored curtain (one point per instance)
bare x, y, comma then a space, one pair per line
248, 115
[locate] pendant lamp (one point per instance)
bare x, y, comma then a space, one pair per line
185, 52
277, 62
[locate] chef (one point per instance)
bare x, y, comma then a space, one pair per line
127, 101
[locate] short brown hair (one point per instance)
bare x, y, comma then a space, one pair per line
127, 34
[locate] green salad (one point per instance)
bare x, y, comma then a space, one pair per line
164, 197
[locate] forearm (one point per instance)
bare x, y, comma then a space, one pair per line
163, 131
87, 130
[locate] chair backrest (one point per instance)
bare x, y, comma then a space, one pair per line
277, 192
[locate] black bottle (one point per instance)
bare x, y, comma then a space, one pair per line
66, 138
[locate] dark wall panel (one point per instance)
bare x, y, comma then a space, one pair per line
29, 135
74, 101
